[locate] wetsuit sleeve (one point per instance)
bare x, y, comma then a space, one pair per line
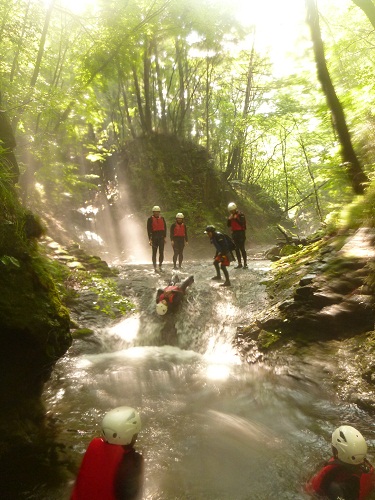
165, 229
229, 222
129, 477
242, 220
172, 231
186, 234
149, 228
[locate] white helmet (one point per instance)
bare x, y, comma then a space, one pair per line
350, 445
156, 208
180, 215
119, 426
161, 308
232, 206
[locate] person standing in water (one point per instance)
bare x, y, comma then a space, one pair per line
179, 237
157, 233
237, 223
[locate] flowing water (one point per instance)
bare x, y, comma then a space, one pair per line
214, 428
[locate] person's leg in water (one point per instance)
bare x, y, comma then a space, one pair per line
237, 241
226, 274
217, 267
161, 251
175, 255
242, 249
189, 281
154, 251
181, 252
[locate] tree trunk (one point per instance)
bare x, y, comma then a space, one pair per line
356, 175
147, 87
368, 8
42, 44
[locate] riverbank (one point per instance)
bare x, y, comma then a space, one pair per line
322, 294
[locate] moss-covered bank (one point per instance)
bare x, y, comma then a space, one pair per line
34, 325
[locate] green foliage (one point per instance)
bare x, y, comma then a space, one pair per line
109, 301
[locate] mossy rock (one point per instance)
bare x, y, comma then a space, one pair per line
266, 340
82, 332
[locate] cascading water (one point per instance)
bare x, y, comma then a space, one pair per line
214, 428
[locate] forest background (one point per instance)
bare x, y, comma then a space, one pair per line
119, 105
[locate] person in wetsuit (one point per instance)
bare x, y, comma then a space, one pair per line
347, 475
223, 256
157, 233
237, 223
179, 237
170, 297
111, 469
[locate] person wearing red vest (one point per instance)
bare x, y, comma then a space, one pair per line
178, 235
157, 233
111, 469
237, 222
169, 298
347, 475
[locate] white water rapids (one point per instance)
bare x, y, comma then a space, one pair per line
214, 428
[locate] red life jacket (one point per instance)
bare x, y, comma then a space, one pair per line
96, 476
235, 225
157, 224
179, 230
170, 298
366, 479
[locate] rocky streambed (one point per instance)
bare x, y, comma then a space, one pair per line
322, 296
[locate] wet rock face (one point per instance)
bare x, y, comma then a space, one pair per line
34, 326
332, 299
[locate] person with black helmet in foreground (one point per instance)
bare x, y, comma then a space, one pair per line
237, 223
178, 234
111, 469
347, 475
223, 256
157, 233
169, 298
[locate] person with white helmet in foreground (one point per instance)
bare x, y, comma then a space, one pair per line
157, 233
169, 298
179, 237
237, 223
347, 475
111, 469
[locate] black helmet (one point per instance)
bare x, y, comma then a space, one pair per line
210, 229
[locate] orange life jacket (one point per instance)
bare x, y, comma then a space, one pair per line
96, 476
158, 224
235, 224
179, 230
170, 297
366, 479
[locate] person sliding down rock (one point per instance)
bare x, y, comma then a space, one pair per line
223, 256
347, 475
170, 297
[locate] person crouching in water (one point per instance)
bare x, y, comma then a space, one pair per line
111, 469
178, 235
223, 256
169, 298
347, 475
